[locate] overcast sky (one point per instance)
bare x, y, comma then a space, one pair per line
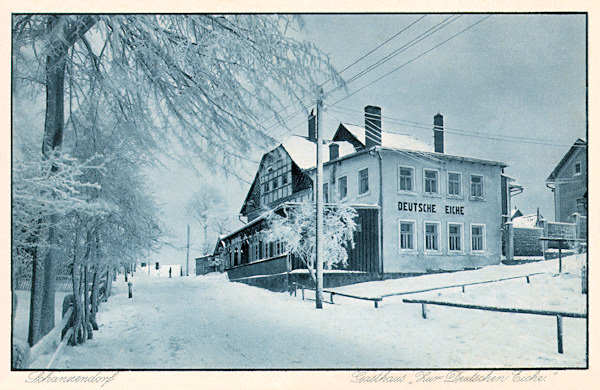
512, 88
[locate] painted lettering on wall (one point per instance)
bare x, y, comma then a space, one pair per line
418, 207
455, 210
429, 208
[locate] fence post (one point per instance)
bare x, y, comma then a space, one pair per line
527, 277
510, 247
559, 333
544, 242
302, 292
584, 277
331, 297
129, 285
560, 256
423, 311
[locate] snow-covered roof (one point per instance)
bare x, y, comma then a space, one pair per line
391, 140
304, 152
525, 221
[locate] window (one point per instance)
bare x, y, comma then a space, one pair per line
454, 237
477, 238
343, 187
477, 186
431, 181
405, 179
406, 233
577, 168
432, 232
454, 183
363, 181
325, 192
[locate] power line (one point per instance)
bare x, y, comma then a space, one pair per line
376, 48
297, 112
412, 60
467, 133
401, 49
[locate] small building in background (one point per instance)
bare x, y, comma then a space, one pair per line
207, 264
162, 270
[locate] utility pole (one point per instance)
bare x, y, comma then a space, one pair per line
319, 201
187, 259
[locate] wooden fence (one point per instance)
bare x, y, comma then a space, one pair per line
377, 300
332, 293
558, 314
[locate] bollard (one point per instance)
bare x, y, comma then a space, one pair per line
527, 277
463, 288
331, 297
423, 312
129, 284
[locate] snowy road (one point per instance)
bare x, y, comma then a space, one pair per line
207, 322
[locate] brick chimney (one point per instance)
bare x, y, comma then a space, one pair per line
438, 133
312, 126
372, 126
334, 151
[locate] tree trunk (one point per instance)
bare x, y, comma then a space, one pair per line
95, 295
35, 311
86, 303
43, 289
53, 135
109, 280
50, 273
77, 333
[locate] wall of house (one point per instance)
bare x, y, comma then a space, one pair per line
570, 186
441, 210
350, 169
270, 266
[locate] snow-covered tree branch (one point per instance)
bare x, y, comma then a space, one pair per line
297, 230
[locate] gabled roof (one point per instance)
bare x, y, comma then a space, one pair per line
388, 139
515, 213
579, 143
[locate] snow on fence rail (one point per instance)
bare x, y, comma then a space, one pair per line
62, 332
48, 341
461, 285
378, 299
331, 293
558, 314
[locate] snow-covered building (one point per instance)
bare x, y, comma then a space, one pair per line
568, 181
422, 209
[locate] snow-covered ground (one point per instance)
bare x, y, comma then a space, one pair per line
208, 322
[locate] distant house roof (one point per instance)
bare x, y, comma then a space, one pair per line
579, 143
514, 213
391, 140
526, 221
